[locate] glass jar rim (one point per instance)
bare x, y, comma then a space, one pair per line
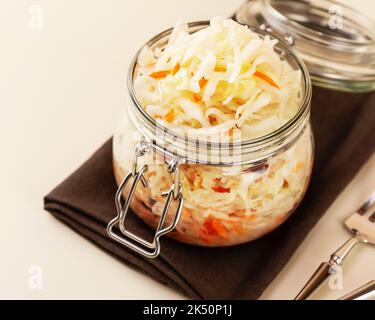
257, 143
316, 35
335, 41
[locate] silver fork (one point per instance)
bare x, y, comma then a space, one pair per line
362, 225
364, 292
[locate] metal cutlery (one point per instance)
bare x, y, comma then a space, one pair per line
365, 292
362, 225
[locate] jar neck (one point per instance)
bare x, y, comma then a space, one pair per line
171, 141
336, 42
322, 21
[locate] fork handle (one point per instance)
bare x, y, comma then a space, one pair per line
365, 292
340, 254
326, 269
317, 279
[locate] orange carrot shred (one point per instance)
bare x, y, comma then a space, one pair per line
169, 116
230, 132
212, 119
160, 74
176, 68
285, 184
219, 228
266, 79
214, 227
221, 189
252, 217
239, 101
202, 82
299, 166
197, 97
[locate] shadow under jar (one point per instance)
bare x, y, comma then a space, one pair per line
217, 193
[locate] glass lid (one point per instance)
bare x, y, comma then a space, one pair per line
336, 42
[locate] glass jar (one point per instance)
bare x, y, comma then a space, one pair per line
215, 193
336, 42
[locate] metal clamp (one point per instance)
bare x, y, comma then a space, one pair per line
129, 239
289, 39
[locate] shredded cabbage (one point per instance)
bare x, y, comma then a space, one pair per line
223, 76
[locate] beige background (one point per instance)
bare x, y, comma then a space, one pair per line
61, 89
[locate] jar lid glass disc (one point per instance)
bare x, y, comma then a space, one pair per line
336, 42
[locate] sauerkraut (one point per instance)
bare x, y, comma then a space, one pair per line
222, 78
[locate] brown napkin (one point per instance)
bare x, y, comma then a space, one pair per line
343, 125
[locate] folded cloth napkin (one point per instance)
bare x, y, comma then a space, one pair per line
343, 125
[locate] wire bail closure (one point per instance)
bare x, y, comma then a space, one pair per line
289, 39
129, 239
